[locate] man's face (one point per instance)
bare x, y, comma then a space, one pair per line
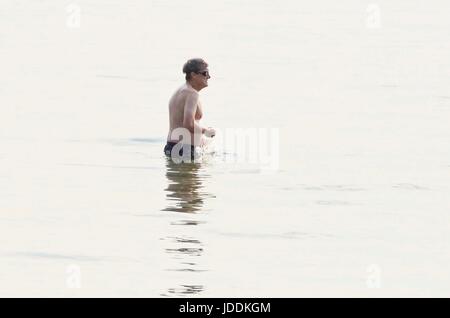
201, 78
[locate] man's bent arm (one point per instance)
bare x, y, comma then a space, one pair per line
190, 109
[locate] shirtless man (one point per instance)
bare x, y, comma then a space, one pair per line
185, 112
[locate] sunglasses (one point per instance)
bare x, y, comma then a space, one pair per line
204, 73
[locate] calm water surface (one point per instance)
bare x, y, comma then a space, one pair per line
360, 199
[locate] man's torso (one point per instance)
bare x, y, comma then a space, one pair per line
176, 113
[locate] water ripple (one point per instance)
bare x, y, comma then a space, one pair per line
409, 186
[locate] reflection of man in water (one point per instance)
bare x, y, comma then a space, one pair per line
185, 111
183, 190
186, 194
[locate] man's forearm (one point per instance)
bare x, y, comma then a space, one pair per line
199, 128
195, 128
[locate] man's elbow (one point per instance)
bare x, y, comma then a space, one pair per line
189, 125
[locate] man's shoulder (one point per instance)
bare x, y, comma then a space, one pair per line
187, 90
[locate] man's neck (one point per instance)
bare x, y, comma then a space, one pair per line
193, 86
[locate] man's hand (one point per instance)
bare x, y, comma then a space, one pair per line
210, 132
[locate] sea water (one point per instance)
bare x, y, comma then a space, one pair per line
356, 204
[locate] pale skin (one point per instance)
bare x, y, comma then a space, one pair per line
185, 111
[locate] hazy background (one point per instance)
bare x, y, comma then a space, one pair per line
359, 91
